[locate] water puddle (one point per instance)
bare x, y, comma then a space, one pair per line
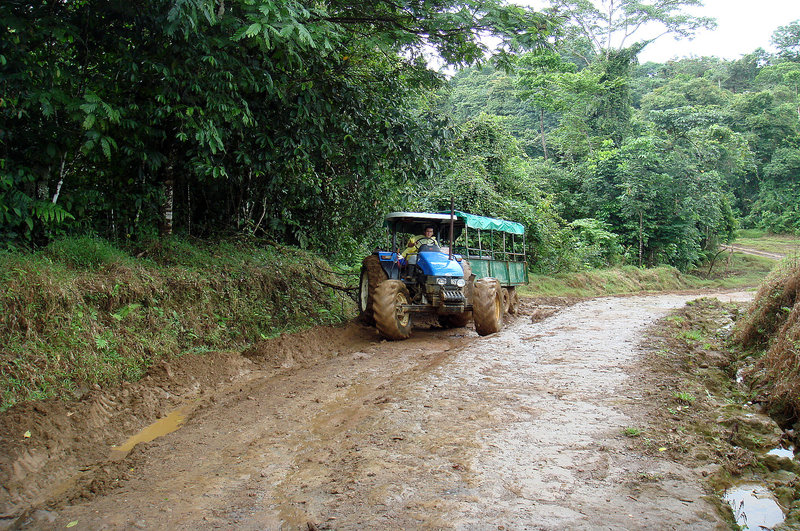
754, 507
159, 428
783, 452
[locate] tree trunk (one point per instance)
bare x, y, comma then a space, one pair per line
169, 193
641, 239
541, 131
60, 181
166, 206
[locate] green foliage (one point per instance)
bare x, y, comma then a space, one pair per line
684, 397
787, 40
777, 205
491, 175
595, 246
484, 89
249, 116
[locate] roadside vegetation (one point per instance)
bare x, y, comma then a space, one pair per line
725, 383
760, 240
82, 312
228, 126
730, 271
770, 333
702, 416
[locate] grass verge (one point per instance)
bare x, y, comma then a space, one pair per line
785, 244
82, 312
731, 271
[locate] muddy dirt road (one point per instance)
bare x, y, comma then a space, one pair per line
519, 430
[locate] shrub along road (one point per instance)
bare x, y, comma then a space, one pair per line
334, 428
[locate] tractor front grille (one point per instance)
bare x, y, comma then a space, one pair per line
450, 296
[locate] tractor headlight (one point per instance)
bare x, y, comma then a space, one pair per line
441, 281
460, 282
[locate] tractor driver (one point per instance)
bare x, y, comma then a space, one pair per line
418, 241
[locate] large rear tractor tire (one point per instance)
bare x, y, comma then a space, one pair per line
392, 320
372, 274
487, 306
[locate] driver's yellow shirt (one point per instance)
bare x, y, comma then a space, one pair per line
416, 242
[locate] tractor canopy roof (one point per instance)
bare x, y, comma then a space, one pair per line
415, 222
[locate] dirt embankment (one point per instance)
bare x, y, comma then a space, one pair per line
334, 428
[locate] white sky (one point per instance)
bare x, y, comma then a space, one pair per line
742, 26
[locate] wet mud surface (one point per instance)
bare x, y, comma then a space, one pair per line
334, 428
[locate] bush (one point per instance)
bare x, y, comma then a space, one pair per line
84, 252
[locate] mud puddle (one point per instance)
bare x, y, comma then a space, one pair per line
754, 507
159, 428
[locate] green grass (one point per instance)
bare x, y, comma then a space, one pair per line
597, 282
786, 244
729, 272
733, 271
84, 252
632, 432
83, 312
684, 397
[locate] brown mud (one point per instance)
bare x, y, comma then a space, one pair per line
335, 428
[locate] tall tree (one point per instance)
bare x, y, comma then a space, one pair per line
787, 41
614, 25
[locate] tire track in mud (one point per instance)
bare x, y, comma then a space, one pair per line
519, 430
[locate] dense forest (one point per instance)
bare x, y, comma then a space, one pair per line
304, 122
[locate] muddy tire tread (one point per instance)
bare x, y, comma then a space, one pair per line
513, 306
487, 307
384, 310
375, 275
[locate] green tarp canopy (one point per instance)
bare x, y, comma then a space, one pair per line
484, 223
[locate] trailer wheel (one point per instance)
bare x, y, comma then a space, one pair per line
506, 299
392, 320
372, 274
513, 306
487, 307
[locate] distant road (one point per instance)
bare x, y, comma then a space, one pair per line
754, 252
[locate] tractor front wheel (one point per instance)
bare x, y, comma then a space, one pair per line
487, 306
393, 321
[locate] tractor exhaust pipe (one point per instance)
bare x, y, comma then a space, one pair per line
452, 217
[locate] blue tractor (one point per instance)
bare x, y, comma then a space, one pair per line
438, 280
